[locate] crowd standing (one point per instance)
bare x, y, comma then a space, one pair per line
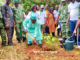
66, 17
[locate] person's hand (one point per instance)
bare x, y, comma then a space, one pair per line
46, 24
14, 25
34, 39
26, 31
55, 22
74, 33
7, 26
67, 24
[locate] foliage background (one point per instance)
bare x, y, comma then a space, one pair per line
28, 3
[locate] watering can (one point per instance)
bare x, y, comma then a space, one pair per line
69, 44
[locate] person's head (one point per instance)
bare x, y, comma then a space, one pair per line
37, 8
51, 9
33, 18
33, 8
71, 1
60, 5
77, 0
57, 6
63, 2
42, 7
46, 7
8, 2
16, 3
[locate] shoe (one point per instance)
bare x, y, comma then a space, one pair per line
29, 44
18, 40
64, 39
10, 44
40, 45
24, 39
3, 44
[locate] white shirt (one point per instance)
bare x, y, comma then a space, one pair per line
41, 17
29, 14
55, 12
73, 8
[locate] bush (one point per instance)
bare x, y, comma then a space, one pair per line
50, 40
29, 3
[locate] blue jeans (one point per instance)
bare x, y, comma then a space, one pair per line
59, 30
72, 27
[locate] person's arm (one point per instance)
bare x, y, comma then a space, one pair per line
59, 12
23, 17
68, 19
45, 17
14, 16
53, 16
57, 18
37, 29
77, 25
47, 20
3, 11
67, 23
25, 24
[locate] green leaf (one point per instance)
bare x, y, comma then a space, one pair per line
48, 37
49, 47
48, 42
52, 48
58, 44
53, 40
56, 39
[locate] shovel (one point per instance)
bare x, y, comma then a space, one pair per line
32, 38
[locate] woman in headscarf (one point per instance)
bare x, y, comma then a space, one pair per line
33, 27
51, 22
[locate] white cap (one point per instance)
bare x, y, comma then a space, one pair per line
42, 6
63, 0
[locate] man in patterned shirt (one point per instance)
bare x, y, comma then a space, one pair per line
62, 16
18, 18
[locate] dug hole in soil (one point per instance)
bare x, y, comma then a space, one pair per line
35, 51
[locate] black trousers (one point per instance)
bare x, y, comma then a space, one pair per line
10, 32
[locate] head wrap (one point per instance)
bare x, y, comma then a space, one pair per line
15, 0
33, 16
51, 8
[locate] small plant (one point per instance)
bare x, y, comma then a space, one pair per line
50, 40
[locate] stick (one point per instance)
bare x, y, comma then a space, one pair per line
77, 36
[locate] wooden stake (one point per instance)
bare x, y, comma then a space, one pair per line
77, 35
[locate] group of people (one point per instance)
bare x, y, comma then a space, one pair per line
65, 16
